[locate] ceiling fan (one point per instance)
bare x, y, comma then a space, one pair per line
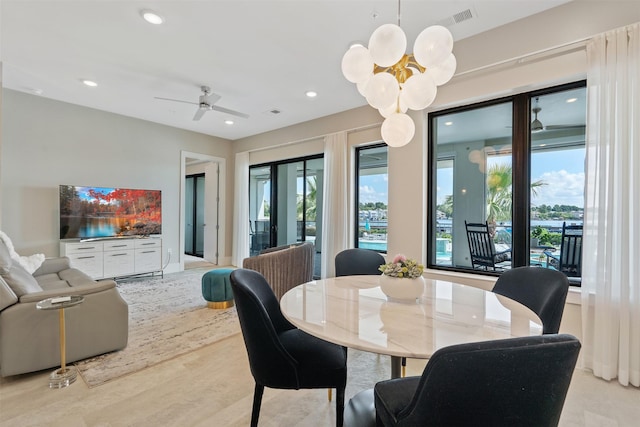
206, 103
537, 126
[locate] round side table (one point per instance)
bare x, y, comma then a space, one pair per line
65, 375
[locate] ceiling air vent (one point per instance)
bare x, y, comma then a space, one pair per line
457, 18
462, 16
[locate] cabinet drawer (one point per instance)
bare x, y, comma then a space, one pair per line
118, 245
148, 243
88, 263
67, 249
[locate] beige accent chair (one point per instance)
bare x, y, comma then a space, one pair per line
284, 267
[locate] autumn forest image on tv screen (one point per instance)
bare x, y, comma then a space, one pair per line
101, 212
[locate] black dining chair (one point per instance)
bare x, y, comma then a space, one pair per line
280, 355
356, 261
542, 290
510, 382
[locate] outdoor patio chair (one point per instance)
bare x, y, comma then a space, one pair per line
569, 260
482, 248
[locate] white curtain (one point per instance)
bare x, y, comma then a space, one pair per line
335, 218
241, 210
611, 256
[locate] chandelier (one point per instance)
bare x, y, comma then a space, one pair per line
393, 81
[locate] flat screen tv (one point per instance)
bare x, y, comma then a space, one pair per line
101, 212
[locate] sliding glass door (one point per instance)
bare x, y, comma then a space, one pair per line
285, 204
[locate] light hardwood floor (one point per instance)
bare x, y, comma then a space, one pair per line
213, 387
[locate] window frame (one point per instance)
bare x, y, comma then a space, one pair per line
356, 192
521, 178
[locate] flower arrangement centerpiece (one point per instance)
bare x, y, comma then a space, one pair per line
402, 267
401, 279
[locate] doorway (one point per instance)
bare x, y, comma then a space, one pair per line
194, 215
210, 243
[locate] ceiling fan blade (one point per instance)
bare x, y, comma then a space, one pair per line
210, 99
557, 127
228, 111
175, 100
199, 114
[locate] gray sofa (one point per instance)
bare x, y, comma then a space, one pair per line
29, 338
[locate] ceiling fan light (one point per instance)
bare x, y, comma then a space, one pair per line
357, 64
536, 126
398, 130
432, 46
387, 45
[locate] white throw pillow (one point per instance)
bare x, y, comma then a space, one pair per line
30, 263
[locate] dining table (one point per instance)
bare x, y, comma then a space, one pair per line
352, 311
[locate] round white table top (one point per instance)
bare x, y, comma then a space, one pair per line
352, 311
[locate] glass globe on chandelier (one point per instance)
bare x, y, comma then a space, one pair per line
393, 81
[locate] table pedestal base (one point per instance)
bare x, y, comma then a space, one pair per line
360, 411
63, 377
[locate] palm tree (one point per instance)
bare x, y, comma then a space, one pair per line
499, 197
310, 213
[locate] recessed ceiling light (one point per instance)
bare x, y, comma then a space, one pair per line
228, 122
570, 100
311, 94
448, 123
152, 17
90, 83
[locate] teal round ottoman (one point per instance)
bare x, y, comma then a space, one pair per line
216, 288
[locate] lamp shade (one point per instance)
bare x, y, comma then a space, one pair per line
387, 45
357, 64
419, 91
382, 90
442, 73
397, 130
396, 107
432, 46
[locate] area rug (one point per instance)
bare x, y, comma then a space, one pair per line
167, 318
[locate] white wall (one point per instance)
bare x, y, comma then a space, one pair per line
46, 143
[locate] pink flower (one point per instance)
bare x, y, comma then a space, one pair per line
399, 258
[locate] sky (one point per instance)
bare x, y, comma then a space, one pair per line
562, 171
374, 188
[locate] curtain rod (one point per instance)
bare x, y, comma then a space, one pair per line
311, 138
539, 55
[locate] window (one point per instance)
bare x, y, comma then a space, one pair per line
371, 197
285, 204
516, 164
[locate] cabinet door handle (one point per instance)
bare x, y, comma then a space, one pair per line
86, 257
119, 246
87, 248
119, 254
148, 252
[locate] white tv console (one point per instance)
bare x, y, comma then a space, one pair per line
111, 258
